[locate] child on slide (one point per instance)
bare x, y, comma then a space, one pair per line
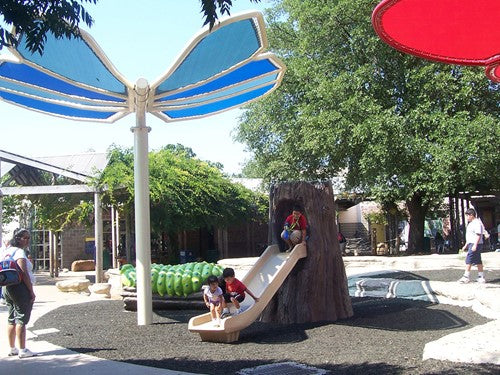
212, 295
235, 289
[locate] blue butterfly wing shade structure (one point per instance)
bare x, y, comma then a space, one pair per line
72, 79
218, 70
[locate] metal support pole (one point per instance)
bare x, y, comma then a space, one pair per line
128, 238
98, 237
56, 261
51, 254
142, 216
113, 238
117, 218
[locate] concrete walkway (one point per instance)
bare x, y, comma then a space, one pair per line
482, 342
53, 359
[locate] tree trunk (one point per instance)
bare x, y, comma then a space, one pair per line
316, 289
417, 213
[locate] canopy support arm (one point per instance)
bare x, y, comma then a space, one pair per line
142, 217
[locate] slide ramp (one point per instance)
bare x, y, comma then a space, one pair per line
263, 279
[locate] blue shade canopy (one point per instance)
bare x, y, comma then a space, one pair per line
223, 48
76, 60
218, 70
72, 79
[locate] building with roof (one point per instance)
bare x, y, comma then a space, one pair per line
65, 174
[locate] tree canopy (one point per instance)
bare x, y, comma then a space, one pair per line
185, 192
399, 127
36, 18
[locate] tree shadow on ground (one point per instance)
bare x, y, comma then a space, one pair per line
399, 314
103, 329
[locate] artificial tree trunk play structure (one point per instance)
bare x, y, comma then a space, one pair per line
316, 289
307, 284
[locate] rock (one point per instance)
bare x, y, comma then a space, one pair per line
76, 285
358, 246
83, 265
101, 288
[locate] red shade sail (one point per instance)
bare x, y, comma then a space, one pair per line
464, 32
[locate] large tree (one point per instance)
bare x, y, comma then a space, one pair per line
36, 18
401, 128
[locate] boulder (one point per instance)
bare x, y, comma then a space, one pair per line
101, 288
83, 265
75, 285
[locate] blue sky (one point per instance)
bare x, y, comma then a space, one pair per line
142, 39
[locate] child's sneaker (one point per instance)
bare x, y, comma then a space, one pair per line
481, 280
13, 352
25, 353
464, 280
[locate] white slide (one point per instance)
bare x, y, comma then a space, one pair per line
263, 279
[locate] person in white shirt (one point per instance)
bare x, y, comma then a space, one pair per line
473, 246
19, 297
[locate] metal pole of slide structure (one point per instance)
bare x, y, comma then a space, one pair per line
113, 237
142, 223
98, 237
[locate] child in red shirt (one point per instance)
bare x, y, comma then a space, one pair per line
295, 228
235, 289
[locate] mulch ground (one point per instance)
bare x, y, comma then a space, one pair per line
383, 337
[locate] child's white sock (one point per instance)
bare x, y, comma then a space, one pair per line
467, 273
480, 274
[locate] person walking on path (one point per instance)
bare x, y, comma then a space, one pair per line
473, 246
19, 297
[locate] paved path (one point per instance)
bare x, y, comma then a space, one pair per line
484, 299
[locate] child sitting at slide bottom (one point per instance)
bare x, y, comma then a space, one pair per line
212, 295
234, 290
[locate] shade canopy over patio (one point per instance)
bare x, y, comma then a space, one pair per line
462, 32
217, 71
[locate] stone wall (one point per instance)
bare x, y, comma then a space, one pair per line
73, 244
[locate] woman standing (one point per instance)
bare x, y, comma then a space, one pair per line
20, 297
